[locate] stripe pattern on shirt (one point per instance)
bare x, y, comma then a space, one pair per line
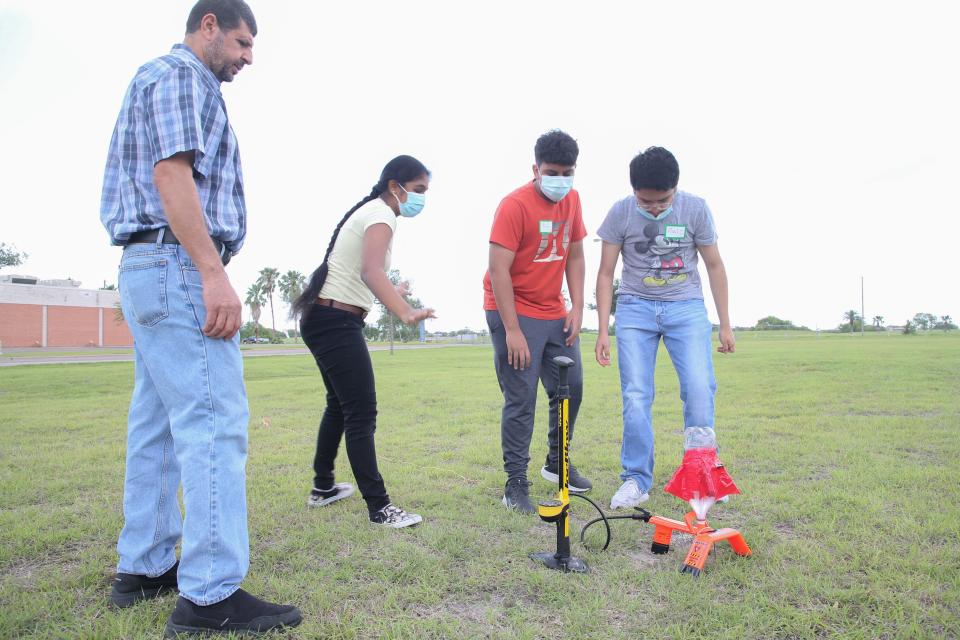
173, 105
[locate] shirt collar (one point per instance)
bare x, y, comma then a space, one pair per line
186, 54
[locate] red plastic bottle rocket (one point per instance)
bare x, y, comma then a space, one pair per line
701, 478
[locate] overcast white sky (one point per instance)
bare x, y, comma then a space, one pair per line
824, 135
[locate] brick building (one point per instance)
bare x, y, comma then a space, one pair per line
58, 313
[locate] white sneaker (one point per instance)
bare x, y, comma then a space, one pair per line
394, 517
628, 495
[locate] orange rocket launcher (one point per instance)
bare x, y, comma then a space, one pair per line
701, 480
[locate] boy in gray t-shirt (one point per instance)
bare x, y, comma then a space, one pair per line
660, 232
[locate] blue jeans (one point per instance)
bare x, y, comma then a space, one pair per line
686, 332
187, 424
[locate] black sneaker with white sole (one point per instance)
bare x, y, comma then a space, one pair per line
321, 497
577, 483
394, 517
516, 495
130, 588
241, 613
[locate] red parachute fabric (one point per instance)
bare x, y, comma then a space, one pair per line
701, 473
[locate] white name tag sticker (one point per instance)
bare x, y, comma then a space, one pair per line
675, 231
546, 226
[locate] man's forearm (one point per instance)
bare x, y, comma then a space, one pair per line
503, 293
181, 204
718, 287
576, 274
604, 301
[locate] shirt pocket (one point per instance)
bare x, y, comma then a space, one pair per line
143, 290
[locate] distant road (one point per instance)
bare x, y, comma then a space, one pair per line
33, 355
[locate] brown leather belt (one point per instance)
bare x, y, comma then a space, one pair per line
336, 304
145, 237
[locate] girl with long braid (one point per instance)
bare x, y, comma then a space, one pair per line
332, 309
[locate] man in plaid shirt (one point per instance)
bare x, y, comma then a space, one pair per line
173, 198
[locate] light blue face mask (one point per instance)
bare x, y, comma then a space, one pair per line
556, 187
413, 205
663, 214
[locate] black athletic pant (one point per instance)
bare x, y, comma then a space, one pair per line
335, 338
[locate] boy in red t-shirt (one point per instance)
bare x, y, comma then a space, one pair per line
537, 237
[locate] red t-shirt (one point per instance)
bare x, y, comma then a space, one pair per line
539, 232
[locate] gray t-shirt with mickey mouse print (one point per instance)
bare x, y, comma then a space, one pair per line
660, 255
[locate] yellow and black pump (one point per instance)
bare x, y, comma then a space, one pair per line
558, 509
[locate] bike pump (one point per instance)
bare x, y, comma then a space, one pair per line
558, 509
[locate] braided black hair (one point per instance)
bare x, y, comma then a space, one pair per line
401, 169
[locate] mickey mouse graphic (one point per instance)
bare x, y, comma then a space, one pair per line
665, 257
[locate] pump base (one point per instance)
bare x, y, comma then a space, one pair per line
570, 564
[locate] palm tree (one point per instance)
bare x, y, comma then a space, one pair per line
852, 316
878, 321
947, 322
268, 283
255, 302
291, 286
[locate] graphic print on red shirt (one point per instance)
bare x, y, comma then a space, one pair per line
539, 232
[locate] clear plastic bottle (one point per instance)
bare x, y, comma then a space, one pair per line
699, 438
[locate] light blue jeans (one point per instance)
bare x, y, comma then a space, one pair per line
187, 424
686, 332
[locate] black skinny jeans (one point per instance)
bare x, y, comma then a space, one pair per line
335, 338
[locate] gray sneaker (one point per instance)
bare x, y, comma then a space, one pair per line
576, 482
516, 495
339, 491
394, 517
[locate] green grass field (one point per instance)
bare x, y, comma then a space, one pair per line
846, 449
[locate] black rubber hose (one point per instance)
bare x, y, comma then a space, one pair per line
642, 515
595, 520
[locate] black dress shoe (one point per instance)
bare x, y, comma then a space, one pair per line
240, 613
130, 588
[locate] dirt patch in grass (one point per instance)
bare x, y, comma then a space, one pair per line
819, 475
26, 572
924, 456
785, 530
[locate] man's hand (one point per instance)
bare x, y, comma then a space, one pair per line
518, 353
572, 325
416, 315
223, 307
727, 341
602, 350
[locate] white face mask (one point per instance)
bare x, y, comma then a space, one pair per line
556, 187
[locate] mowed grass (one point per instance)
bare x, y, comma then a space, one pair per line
846, 450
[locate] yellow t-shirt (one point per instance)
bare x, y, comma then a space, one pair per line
343, 282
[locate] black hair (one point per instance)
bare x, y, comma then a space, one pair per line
656, 169
556, 147
402, 169
229, 14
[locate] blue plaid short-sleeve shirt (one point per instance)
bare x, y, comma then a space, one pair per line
173, 105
